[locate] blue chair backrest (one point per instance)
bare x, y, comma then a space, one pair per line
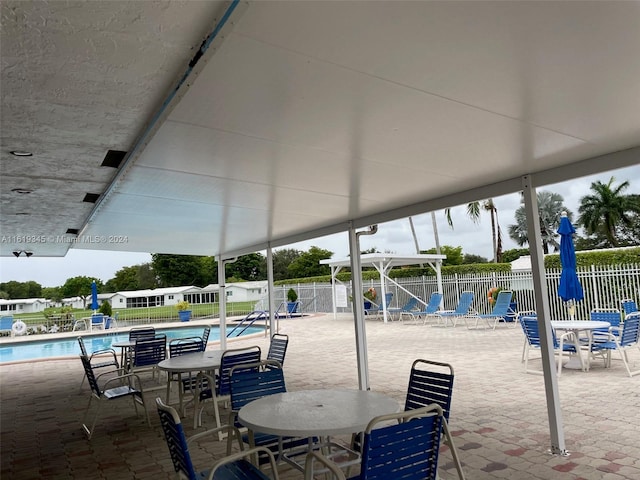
6, 323
434, 385
464, 304
388, 297
182, 346
97, 318
631, 330
628, 306
249, 385
144, 332
176, 440
205, 337
233, 358
501, 308
434, 303
411, 304
149, 351
532, 332
278, 348
91, 378
611, 316
407, 450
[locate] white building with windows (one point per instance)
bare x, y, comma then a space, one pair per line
156, 297
23, 305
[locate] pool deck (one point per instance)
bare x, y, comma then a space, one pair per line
498, 416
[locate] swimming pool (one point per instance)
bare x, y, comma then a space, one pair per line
65, 347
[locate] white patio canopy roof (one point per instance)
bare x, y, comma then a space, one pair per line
223, 128
383, 263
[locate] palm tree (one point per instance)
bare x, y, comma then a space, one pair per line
473, 211
608, 208
549, 209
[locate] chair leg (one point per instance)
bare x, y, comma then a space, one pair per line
87, 430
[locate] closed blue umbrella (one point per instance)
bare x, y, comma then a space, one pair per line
570, 289
94, 296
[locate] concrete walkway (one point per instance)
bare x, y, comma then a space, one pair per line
498, 413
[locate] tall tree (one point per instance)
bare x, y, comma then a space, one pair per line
281, 261
248, 267
550, 207
79, 287
177, 270
473, 211
606, 208
308, 263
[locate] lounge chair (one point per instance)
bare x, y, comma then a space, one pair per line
430, 310
378, 309
501, 309
463, 308
409, 306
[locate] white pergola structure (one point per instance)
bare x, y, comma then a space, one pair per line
383, 262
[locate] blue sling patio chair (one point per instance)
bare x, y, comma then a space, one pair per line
248, 384
628, 338
106, 358
566, 345
232, 467
429, 311
463, 308
500, 310
378, 309
410, 306
109, 386
628, 306
402, 445
218, 388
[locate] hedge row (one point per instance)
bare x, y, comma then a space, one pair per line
598, 258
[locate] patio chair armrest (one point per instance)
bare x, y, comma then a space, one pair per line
119, 378
566, 335
245, 453
313, 457
104, 351
229, 429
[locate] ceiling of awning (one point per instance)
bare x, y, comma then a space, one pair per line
297, 119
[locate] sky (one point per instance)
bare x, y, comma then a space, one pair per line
392, 237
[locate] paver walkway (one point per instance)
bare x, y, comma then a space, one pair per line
498, 413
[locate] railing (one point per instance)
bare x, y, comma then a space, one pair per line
603, 287
248, 321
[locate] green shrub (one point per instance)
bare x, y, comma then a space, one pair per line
105, 309
292, 296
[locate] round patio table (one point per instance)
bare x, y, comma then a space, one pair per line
577, 326
308, 413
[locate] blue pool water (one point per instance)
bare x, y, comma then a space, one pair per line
66, 347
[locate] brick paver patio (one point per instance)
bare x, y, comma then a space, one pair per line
498, 413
